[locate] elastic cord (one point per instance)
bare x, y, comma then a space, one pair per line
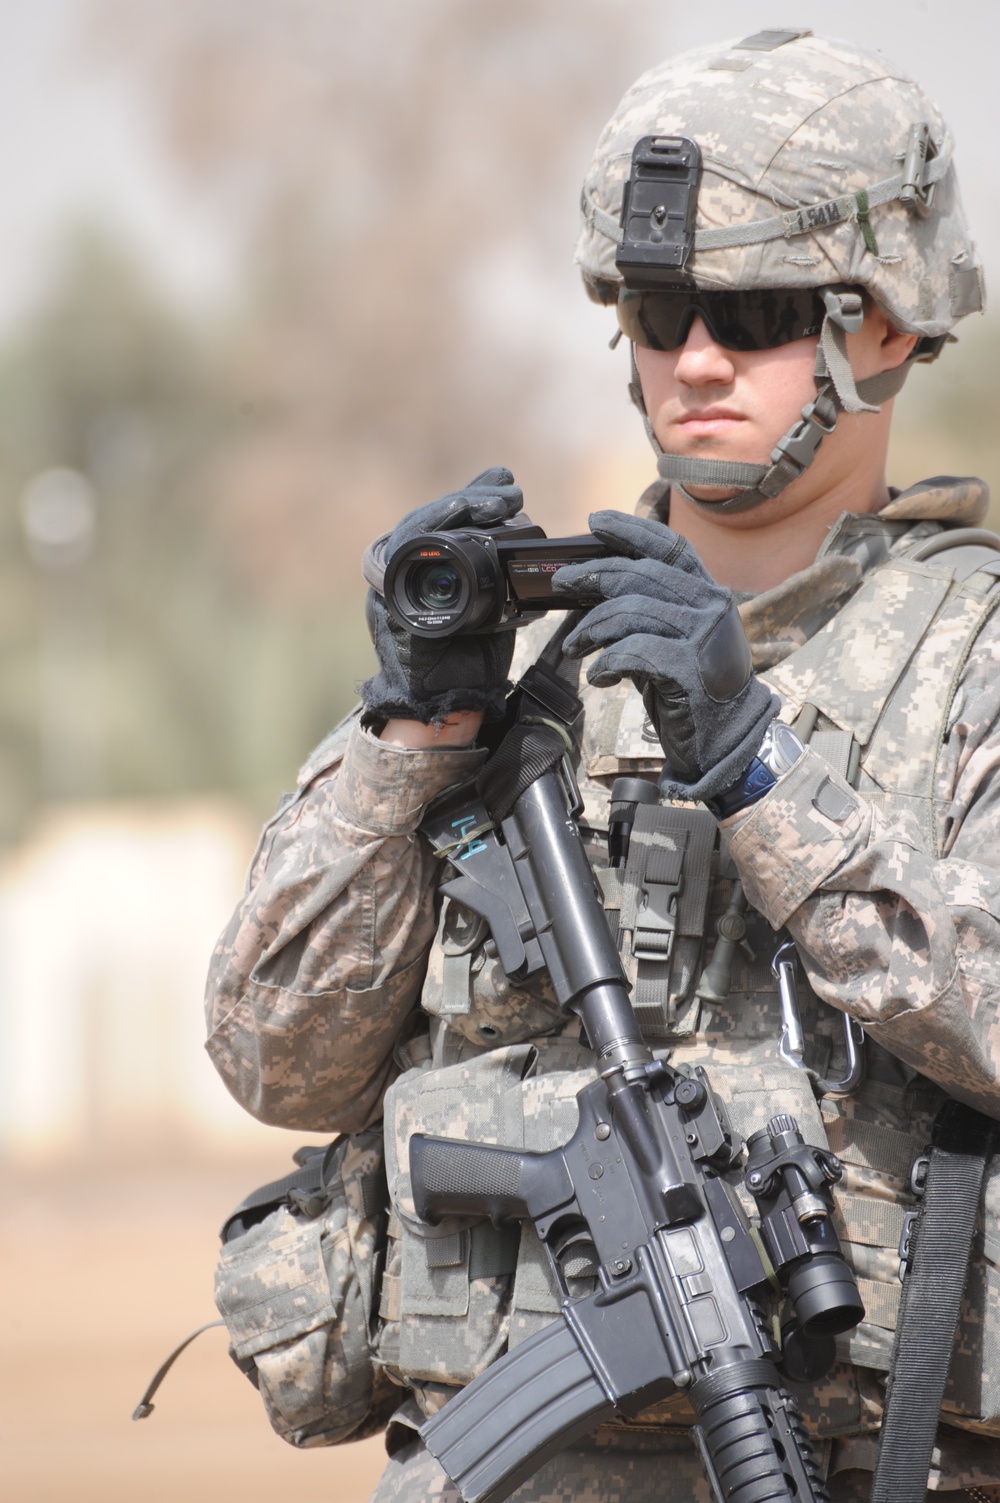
811, 219
639, 402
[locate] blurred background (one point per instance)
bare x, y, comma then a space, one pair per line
273, 272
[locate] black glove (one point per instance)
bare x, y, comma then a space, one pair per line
666, 625
424, 678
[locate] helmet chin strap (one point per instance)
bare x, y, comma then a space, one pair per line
836, 392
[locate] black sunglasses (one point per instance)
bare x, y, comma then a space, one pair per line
755, 319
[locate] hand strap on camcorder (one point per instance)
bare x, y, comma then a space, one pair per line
544, 702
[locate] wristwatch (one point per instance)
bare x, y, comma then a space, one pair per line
779, 750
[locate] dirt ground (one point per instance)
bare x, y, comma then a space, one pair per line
100, 1275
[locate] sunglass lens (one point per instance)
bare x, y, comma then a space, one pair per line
758, 319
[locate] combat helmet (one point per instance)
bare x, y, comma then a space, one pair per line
821, 166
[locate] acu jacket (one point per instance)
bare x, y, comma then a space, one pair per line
343, 988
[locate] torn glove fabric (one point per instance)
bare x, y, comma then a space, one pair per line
665, 624
427, 679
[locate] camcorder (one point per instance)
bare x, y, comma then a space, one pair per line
477, 580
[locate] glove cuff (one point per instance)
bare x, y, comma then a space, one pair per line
730, 769
383, 700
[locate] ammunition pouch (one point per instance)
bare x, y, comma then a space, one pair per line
297, 1284
658, 902
454, 1295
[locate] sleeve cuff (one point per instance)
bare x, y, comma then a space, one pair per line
385, 788
788, 844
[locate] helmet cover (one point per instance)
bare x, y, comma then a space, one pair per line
805, 123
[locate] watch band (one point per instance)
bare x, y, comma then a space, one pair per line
779, 750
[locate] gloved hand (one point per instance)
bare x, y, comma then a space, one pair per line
665, 624
427, 679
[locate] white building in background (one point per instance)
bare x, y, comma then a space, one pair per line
108, 915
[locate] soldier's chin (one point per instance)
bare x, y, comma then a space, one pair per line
708, 494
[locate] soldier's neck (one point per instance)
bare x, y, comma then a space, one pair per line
756, 550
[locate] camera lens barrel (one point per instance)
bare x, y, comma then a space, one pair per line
439, 584
435, 587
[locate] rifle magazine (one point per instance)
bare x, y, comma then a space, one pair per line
521, 1411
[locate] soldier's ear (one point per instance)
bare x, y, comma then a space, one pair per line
894, 347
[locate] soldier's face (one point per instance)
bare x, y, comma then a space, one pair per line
709, 402
716, 403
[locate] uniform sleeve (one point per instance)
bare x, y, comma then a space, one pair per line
906, 943
322, 963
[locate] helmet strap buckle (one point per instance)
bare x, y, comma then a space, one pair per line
800, 443
845, 309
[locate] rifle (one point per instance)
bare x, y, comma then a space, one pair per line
681, 1278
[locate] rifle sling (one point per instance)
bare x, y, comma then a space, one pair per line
932, 1296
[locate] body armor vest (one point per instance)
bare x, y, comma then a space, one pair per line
873, 690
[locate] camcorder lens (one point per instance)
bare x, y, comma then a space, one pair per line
485, 579
435, 587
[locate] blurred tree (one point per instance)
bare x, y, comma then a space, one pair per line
198, 682
403, 181
406, 181
945, 420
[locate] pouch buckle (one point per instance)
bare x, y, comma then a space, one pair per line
656, 921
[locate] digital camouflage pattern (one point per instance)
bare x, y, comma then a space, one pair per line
315, 987
598, 1474
591, 1475
318, 972
783, 130
297, 1294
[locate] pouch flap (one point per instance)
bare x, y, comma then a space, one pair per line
271, 1285
753, 1093
670, 848
478, 1100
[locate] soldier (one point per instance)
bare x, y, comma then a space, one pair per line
820, 252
